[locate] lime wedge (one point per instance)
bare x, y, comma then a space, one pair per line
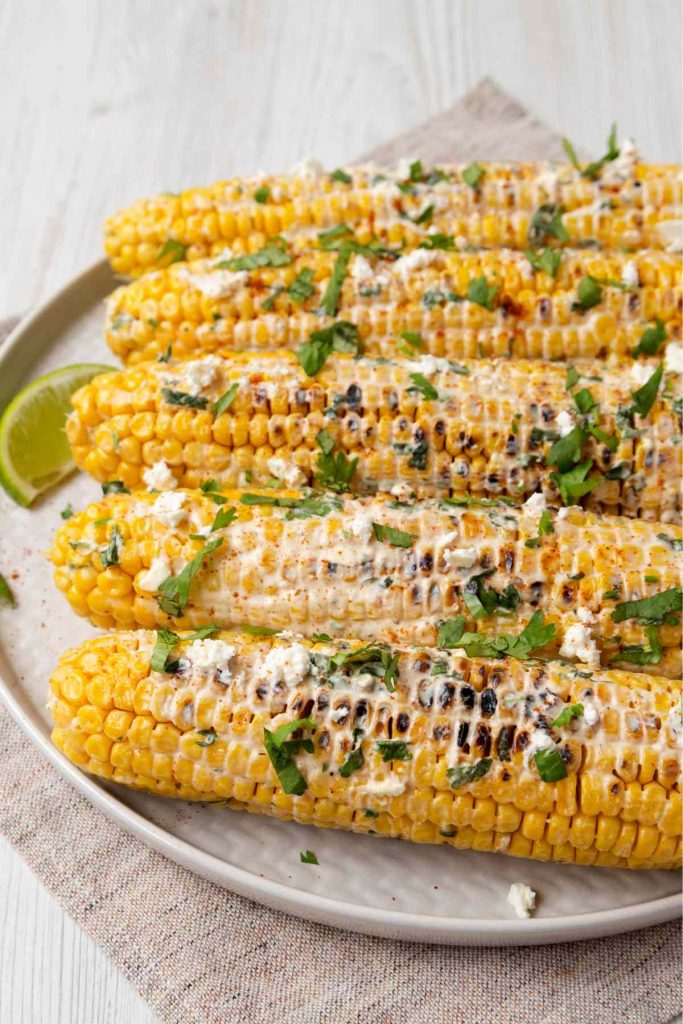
34, 452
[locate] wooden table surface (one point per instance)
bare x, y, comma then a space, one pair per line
103, 101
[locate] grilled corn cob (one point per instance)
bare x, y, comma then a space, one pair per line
632, 205
205, 307
487, 427
471, 758
377, 567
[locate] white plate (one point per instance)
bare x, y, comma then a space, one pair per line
378, 886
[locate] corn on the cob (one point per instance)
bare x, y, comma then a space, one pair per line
487, 427
201, 308
377, 567
637, 206
471, 757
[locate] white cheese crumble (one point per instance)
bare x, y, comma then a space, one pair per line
403, 167
198, 374
415, 260
522, 899
591, 715
159, 477
209, 656
288, 665
585, 616
169, 508
429, 365
459, 558
565, 422
673, 357
309, 167
360, 268
289, 474
629, 275
152, 578
390, 786
579, 643
535, 505
402, 491
361, 526
671, 232
640, 373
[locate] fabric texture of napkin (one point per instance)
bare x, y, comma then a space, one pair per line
201, 955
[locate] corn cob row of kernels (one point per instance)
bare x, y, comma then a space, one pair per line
203, 307
395, 763
625, 209
485, 427
329, 565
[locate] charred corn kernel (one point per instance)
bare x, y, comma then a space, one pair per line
202, 309
261, 684
501, 211
316, 564
485, 427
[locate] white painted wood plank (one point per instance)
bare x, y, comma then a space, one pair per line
101, 101
50, 971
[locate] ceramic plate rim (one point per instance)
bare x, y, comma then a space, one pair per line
14, 355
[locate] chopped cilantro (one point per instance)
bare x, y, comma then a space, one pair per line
226, 400
262, 195
341, 336
473, 174
397, 538
271, 256
567, 715
280, 750
651, 339
171, 252
550, 765
175, 590
174, 397
464, 773
308, 857
393, 750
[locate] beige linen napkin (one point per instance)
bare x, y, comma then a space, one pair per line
201, 955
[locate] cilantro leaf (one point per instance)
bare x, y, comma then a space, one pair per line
393, 750
464, 773
340, 175
333, 471
653, 609
651, 339
332, 294
550, 765
635, 654
224, 517
175, 590
226, 400
644, 398
421, 384
271, 256
171, 252
341, 336
473, 174
567, 715
535, 634
173, 397
588, 295
548, 261
110, 554
114, 487
546, 222
308, 857
262, 195
280, 750
545, 526
165, 642
575, 483
6, 595
397, 538
302, 286
450, 631
481, 292
67, 512
353, 762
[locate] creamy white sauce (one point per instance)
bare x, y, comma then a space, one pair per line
673, 357
169, 508
152, 578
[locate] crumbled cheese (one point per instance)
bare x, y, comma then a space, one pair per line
671, 231
540, 740
640, 373
285, 471
579, 643
209, 657
415, 260
522, 899
564, 513
152, 578
361, 269
198, 374
309, 167
624, 166
591, 715
585, 616
459, 558
629, 275
402, 491
403, 167
169, 508
391, 786
159, 477
535, 505
361, 526
429, 365
564, 422
287, 664
673, 357
217, 284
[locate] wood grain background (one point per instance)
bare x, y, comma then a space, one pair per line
103, 101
